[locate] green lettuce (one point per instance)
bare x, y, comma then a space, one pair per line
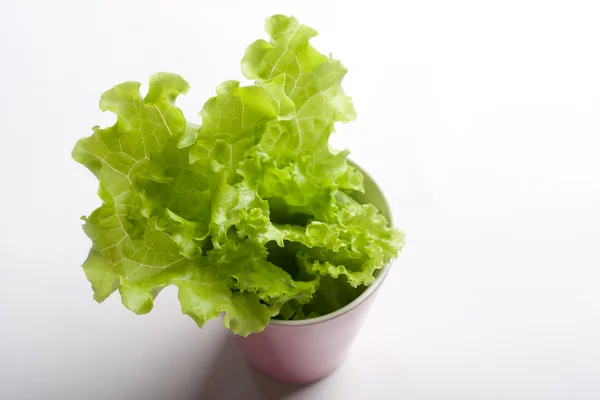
251, 214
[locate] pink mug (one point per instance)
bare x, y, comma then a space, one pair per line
308, 350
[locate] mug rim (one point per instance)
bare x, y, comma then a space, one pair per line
344, 310
364, 295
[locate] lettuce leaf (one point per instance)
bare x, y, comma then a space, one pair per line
251, 214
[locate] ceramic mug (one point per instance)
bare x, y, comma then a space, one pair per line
304, 351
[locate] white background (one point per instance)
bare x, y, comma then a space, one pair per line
481, 121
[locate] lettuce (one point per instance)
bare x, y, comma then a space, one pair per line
251, 215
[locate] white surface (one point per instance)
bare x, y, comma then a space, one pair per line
480, 119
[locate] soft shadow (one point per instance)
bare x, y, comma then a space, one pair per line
231, 377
